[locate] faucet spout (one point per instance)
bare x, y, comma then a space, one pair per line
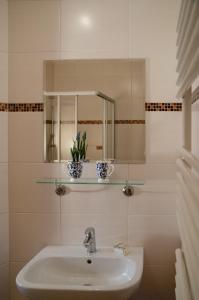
89, 241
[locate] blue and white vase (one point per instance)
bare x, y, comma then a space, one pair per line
74, 169
104, 169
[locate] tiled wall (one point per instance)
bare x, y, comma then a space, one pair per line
4, 222
38, 216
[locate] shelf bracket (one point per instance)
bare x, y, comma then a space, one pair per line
60, 189
128, 190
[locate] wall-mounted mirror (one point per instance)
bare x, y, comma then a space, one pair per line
105, 98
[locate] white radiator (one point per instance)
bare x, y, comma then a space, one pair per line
187, 43
187, 258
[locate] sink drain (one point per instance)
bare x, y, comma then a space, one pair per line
89, 261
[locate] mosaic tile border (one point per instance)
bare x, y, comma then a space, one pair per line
22, 107
130, 122
26, 107
39, 107
90, 122
163, 106
3, 106
98, 122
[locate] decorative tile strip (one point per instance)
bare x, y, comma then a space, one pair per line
3, 106
25, 107
157, 106
98, 122
149, 106
90, 122
49, 122
129, 121
195, 96
99, 147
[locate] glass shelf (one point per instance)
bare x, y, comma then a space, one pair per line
66, 181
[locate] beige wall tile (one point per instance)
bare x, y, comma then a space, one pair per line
4, 281
28, 196
25, 145
3, 26
155, 38
4, 187
108, 232
107, 31
3, 77
152, 203
153, 172
4, 238
158, 234
159, 224
158, 249
89, 53
89, 201
32, 232
3, 137
34, 26
159, 186
161, 172
26, 76
163, 136
84, 201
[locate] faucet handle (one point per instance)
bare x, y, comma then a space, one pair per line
123, 247
119, 245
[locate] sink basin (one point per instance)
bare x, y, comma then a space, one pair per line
62, 272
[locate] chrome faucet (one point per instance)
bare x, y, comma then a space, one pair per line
89, 241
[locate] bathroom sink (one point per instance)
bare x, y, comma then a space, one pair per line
62, 272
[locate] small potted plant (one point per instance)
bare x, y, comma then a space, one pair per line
78, 153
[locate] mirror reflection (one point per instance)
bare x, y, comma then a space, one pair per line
66, 115
105, 99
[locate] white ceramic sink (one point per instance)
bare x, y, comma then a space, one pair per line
62, 272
